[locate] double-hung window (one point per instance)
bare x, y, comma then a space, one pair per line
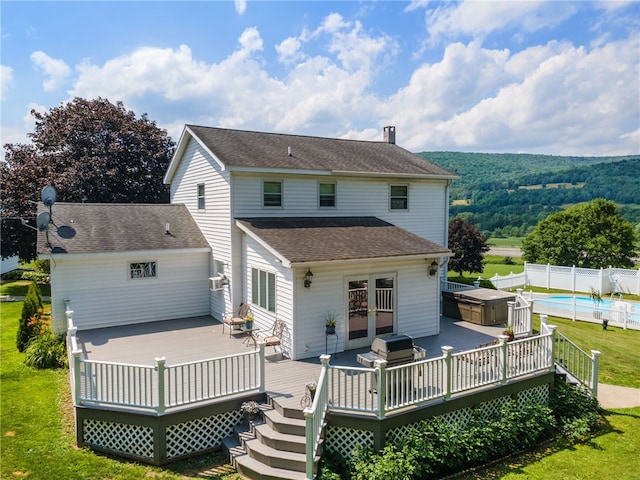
327, 195
399, 197
142, 270
201, 202
263, 289
272, 194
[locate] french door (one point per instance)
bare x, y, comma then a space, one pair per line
370, 308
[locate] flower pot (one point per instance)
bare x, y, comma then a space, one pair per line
330, 329
312, 393
248, 325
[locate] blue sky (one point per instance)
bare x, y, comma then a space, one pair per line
553, 77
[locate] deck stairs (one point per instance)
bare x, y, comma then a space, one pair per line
272, 448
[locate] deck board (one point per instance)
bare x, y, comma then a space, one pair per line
200, 338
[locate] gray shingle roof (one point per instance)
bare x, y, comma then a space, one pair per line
319, 239
117, 227
239, 148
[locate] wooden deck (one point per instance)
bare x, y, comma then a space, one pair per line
199, 338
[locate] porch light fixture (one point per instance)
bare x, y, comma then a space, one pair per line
308, 277
433, 268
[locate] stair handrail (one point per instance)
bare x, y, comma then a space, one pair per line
580, 365
314, 417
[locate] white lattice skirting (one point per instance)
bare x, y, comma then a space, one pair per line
182, 439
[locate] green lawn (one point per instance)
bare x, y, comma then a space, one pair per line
612, 452
38, 433
510, 242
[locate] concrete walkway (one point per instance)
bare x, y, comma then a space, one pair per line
613, 396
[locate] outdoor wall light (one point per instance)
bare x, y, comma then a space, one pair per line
433, 268
224, 281
307, 279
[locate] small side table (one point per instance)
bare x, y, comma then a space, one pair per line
250, 332
326, 342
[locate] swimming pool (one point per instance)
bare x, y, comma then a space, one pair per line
618, 313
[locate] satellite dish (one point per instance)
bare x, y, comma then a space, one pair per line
49, 195
42, 221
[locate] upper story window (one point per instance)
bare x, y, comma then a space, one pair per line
272, 194
263, 289
218, 266
201, 202
142, 270
327, 194
399, 197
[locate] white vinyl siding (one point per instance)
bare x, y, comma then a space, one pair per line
102, 297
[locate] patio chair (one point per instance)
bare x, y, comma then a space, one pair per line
275, 338
237, 318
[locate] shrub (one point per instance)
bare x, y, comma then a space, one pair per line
13, 275
42, 266
576, 412
35, 276
46, 350
31, 312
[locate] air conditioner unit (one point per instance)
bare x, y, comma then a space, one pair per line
216, 283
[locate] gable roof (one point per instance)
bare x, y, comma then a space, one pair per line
87, 228
258, 151
323, 239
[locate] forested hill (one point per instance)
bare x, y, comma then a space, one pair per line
507, 194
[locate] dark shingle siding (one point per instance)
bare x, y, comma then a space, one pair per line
304, 239
239, 148
104, 227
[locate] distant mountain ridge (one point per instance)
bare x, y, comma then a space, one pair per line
507, 194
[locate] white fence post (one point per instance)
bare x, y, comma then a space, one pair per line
595, 357
504, 357
160, 367
510, 306
448, 374
381, 372
262, 388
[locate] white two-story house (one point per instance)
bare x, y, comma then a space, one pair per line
295, 226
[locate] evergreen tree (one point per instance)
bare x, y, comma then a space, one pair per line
31, 308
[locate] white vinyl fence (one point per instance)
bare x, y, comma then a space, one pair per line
573, 279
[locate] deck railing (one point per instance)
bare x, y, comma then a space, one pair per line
520, 315
580, 365
314, 418
158, 387
384, 389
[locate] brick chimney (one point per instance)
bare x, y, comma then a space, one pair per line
389, 135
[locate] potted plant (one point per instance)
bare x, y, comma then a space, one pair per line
330, 320
248, 321
250, 410
509, 333
311, 388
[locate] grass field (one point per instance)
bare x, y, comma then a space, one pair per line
509, 242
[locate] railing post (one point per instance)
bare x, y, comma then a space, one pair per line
381, 373
310, 439
77, 394
448, 374
160, 367
502, 339
530, 319
262, 387
510, 306
595, 358
554, 346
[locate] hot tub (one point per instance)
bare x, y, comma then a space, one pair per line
482, 306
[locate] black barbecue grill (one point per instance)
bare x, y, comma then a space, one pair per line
394, 349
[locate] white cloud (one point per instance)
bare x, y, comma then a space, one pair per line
56, 70
6, 78
554, 98
289, 50
478, 18
241, 6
